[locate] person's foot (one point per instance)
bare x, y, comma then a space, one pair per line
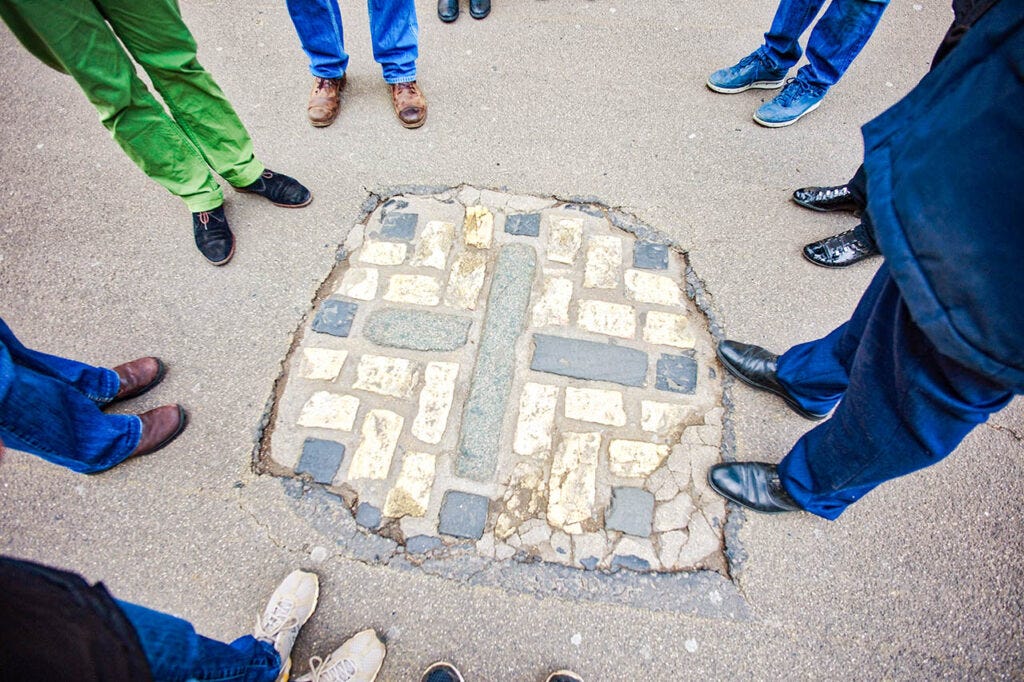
842, 250
357, 660
213, 236
478, 9
753, 71
563, 676
410, 104
137, 377
291, 605
447, 10
754, 485
758, 367
160, 426
795, 101
280, 189
441, 671
837, 198
324, 101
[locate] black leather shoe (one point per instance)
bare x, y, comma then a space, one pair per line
478, 9
838, 198
842, 250
758, 367
280, 189
754, 485
447, 10
213, 236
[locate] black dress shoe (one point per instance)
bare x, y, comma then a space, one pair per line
447, 10
842, 250
837, 198
280, 189
213, 236
478, 9
758, 367
755, 485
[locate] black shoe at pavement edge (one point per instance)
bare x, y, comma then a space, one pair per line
213, 236
837, 198
758, 367
841, 250
447, 10
754, 485
280, 189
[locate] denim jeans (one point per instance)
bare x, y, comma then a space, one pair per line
902, 405
49, 406
393, 31
176, 653
834, 43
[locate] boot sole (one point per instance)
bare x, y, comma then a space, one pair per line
413, 126
831, 267
783, 124
227, 259
792, 404
756, 85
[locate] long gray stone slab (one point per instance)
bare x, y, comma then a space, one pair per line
417, 329
589, 360
507, 303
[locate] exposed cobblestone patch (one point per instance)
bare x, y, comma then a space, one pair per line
521, 374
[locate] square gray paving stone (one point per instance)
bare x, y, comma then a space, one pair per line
677, 374
368, 516
320, 459
648, 256
527, 224
631, 511
463, 515
335, 317
399, 226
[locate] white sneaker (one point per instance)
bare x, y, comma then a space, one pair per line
291, 605
357, 660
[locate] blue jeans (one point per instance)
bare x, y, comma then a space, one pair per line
176, 653
902, 405
393, 30
49, 406
835, 42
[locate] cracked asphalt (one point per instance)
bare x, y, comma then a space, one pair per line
920, 580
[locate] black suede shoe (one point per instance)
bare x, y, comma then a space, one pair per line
842, 250
758, 367
213, 236
280, 189
447, 10
754, 485
478, 9
838, 198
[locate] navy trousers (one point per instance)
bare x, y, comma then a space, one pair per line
902, 405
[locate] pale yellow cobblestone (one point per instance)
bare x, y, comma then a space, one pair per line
321, 363
411, 494
552, 307
415, 289
434, 245
573, 481
564, 240
466, 280
612, 319
478, 230
537, 405
435, 401
386, 375
326, 410
604, 259
664, 418
594, 405
378, 438
634, 458
383, 253
359, 283
668, 329
647, 287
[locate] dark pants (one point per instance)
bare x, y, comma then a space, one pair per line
902, 405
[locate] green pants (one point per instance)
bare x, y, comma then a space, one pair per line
80, 38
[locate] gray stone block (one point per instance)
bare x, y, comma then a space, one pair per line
320, 459
589, 360
463, 515
399, 226
631, 511
677, 374
421, 544
633, 563
650, 256
417, 329
335, 317
507, 303
368, 516
523, 223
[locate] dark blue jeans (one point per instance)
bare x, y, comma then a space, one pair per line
49, 406
394, 32
176, 653
835, 42
902, 404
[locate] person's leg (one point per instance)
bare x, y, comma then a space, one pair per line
838, 38
782, 41
177, 653
75, 33
318, 25
160, 42
858, 186
906, 407
395, 35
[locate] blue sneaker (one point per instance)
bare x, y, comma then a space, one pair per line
795, 101
753, 71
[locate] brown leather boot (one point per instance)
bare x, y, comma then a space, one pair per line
138, 376
324, 101
410, 104
159, 427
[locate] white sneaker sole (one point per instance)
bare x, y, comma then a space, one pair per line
783, 124
756, 85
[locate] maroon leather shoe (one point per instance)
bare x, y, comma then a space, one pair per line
138, 376
160, 426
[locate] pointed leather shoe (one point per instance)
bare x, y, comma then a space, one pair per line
213, 236
137, 377
754, 485
447, 10
159, 427
280, 189
838, 198
841, 250
758, 367
478, 9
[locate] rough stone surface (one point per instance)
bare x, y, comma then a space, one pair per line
326, 410
417, 330
604, 262
322, 363
479, 228
634, 458
594, 405
466, 280
399, 226
527, 224
552, 308
335, 317
668, 329
571, 488
565, 239
368, 516
435, 402
677, 373
650, 256
383, 253
421, 544
415, 289
463, 515
411, 493
320, 459
611, 319
646, 287
386, 375
434, 245
631, 511
536, 418
360, 284
589, 360
379, 438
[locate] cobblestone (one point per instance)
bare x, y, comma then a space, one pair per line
417, 330
526, 224
650, 256
320, 459
589, 360
463, 515
335, 317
